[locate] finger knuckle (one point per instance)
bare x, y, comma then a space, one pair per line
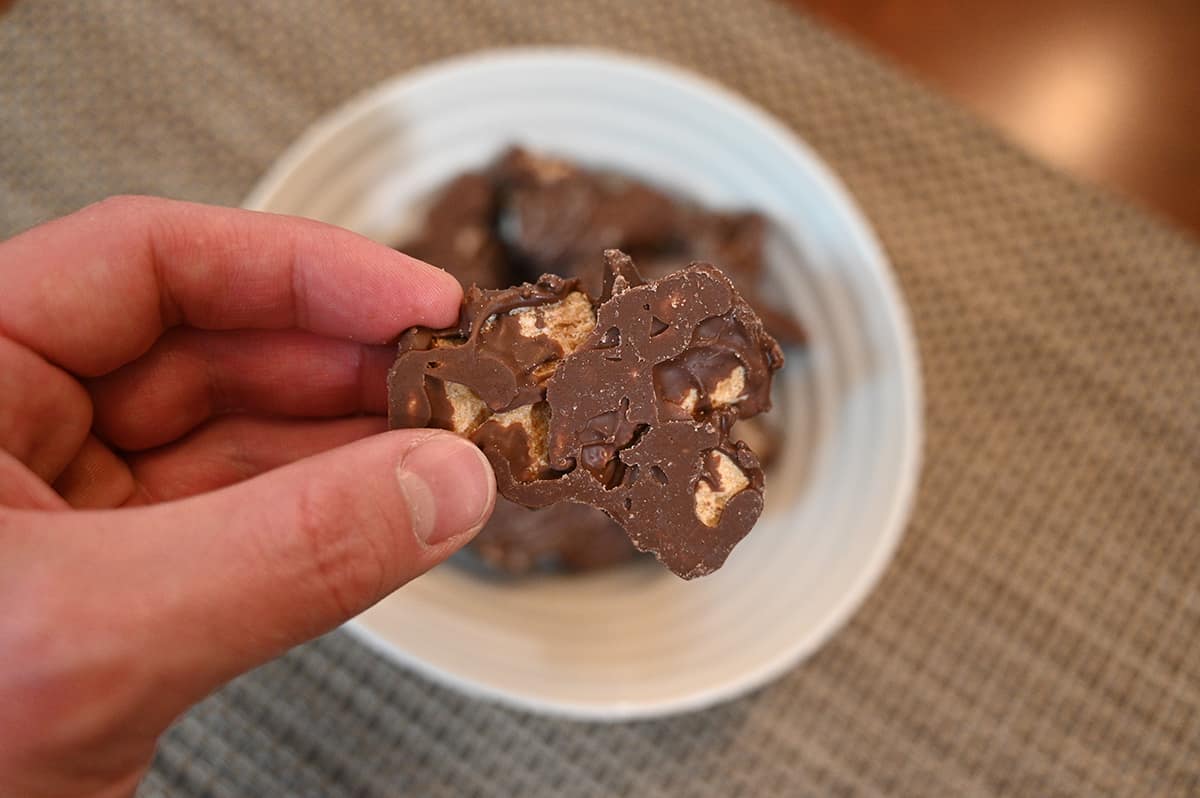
55, 693
339, 539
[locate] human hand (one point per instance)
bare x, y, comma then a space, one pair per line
183, 491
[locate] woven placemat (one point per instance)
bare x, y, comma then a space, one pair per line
1039, 631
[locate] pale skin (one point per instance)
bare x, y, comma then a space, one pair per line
195, 474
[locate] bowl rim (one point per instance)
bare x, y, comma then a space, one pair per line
866, 247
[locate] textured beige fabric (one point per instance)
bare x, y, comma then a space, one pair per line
1039, 631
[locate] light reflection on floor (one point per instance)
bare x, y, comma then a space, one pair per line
1105, 89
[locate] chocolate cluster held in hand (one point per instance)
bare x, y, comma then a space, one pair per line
527, 214
624, 404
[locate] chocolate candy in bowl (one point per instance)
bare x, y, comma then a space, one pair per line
634, 640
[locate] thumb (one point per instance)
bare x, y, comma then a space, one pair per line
115, 621
277, 560
207, 587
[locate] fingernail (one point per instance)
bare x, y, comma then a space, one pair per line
449, 487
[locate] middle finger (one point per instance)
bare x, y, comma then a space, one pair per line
191, 375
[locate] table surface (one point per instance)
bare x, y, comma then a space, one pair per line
1039, 630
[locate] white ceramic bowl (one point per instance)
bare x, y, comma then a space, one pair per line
636, 641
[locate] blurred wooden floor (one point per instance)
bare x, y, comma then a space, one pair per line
1108, 90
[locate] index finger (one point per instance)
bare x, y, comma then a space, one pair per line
93, 290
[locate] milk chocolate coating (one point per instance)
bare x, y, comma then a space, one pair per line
486, 352
557, 217
460, 235
633, 419
527, 214
567, 536
554, 216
